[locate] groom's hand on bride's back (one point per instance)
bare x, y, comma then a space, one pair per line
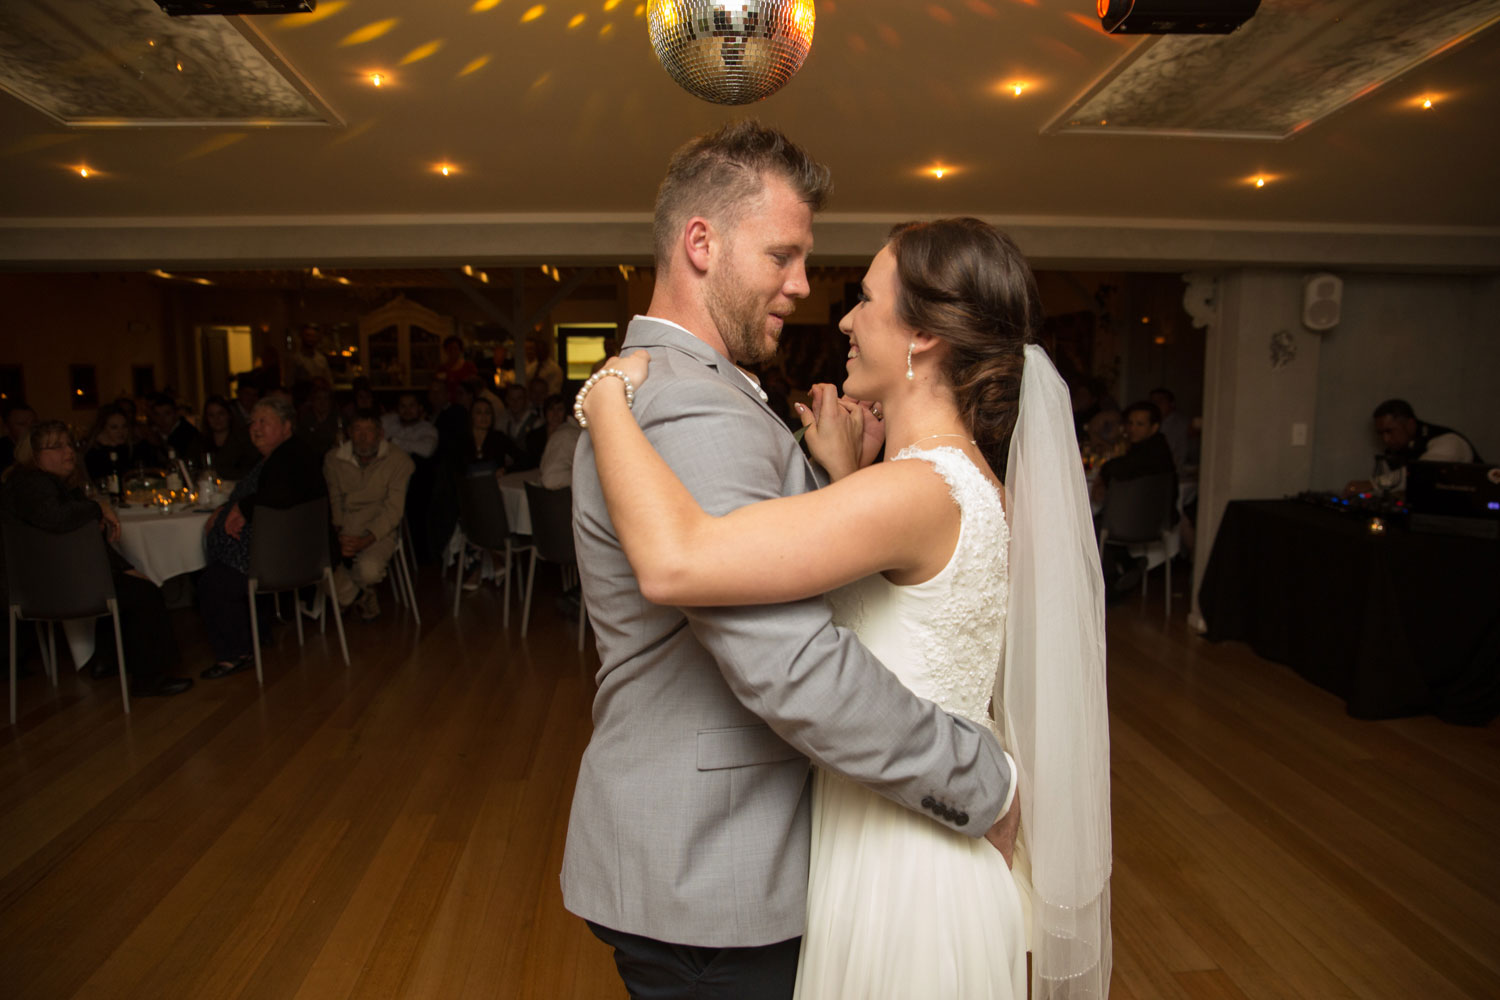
1003, 833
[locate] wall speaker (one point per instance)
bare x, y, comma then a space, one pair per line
1321, 296
1174, 17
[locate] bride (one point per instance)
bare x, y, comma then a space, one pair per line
981, 596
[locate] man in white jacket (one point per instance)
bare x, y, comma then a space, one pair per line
367, 478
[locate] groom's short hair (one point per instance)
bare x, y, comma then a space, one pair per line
716, 175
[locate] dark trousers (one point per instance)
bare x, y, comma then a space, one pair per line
658, 970
226, 615
150, 645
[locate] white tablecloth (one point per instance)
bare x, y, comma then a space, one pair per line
513, 492
162, 546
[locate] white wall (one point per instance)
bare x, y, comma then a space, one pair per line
1433, 340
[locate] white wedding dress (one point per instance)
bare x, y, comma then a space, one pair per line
900, 906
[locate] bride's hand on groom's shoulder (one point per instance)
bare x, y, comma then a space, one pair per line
636, 366
1003, 834
834, 431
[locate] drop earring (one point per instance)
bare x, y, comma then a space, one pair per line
909, 373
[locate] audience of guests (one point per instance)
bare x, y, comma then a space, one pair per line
226, 441
42, 489
19, 419
1406, 439
288, 474
563, 433
113, 450
367, 478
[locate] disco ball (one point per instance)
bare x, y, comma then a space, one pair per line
731, 53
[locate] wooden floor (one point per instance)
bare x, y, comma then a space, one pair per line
395, 829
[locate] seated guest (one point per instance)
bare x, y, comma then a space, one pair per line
287, 474
172, 436
1148, 455
367, 479
226, 441
246, 395
563, 433
518, 421
1174, 426
486, 449
19, 419
1407, 439
448, 411
40, 490
408, 429
321, 427
113, 451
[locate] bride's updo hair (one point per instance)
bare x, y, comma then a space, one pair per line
965, 282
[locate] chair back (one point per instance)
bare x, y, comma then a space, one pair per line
552, 522
289, 547
481, 511
1140, 509
54, 576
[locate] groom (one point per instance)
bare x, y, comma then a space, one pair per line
689, 837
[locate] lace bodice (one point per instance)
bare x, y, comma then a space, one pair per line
943, 637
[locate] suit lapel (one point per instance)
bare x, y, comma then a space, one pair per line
646, 332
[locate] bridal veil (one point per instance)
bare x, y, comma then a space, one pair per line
1052, 690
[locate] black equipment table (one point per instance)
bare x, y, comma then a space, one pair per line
1396, 624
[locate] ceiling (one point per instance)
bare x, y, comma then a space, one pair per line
557, 126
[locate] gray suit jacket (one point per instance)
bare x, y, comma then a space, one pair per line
690, 819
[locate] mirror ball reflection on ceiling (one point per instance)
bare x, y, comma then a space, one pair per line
731, 53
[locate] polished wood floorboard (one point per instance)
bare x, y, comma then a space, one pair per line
395, 829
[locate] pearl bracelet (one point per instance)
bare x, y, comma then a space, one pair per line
592, 381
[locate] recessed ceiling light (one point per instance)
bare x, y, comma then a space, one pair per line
377, 79
446, 169
576, 20
1427, 102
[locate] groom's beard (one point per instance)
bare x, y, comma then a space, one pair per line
741, 321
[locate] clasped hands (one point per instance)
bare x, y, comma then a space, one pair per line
353, 545
842, 433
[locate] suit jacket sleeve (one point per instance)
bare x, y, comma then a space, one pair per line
812, 682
